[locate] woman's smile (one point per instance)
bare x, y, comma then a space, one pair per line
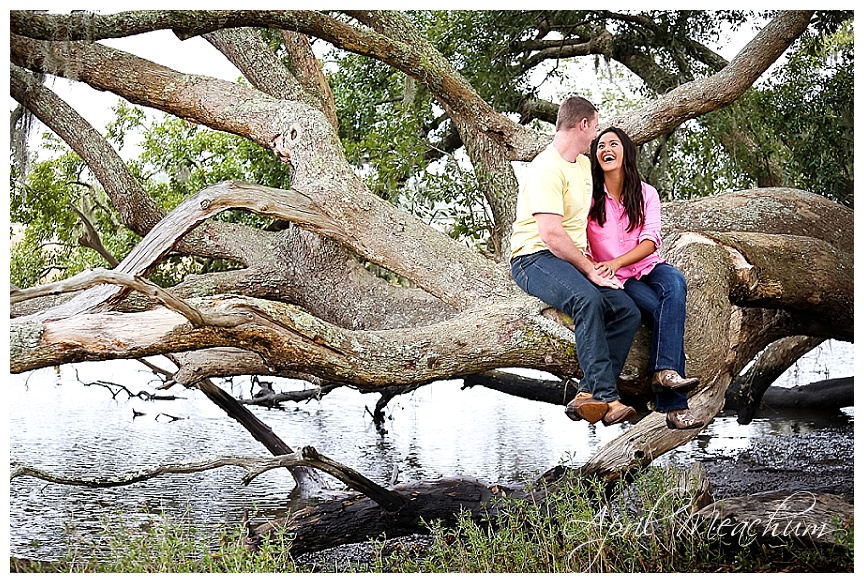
610, 152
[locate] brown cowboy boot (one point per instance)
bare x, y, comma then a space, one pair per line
669, 379
586, 407
682, 419
617, 413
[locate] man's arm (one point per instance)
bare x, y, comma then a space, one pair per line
554, 236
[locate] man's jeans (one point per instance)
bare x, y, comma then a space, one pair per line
605, 319
661, 295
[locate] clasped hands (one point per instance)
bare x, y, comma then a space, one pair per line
604, 274
607, 268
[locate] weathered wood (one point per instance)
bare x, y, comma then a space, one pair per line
286, 204
356, 518
775, 517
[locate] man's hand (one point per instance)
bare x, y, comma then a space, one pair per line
597, 278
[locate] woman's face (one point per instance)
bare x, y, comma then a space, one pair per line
610, 152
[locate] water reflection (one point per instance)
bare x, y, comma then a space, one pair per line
60, 424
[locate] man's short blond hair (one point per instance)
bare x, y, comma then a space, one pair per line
573, 110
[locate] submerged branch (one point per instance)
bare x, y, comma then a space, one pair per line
254, 466
273, 399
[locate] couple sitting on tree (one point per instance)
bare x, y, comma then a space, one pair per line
585, 241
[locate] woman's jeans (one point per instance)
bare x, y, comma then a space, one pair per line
661, 295
605, 319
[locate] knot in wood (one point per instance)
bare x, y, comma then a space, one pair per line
283, 142
205, 204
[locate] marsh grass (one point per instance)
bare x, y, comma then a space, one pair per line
165, 545
646, 527
576, 529
642, 527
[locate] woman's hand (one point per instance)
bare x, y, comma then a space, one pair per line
607, 268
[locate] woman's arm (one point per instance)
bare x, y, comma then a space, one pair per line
554, 236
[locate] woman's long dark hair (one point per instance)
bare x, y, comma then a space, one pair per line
634, 206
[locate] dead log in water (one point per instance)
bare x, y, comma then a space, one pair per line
830, 394
356, 518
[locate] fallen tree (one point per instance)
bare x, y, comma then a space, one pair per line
761, 264
827, 395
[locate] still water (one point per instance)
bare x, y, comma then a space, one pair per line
61, 422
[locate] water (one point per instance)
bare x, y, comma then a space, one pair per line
60, 421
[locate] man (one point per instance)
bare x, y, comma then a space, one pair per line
548, 261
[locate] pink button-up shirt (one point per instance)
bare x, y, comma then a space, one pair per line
613, 240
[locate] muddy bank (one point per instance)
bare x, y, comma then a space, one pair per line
820, 461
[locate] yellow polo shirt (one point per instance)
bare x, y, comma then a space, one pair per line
552, 185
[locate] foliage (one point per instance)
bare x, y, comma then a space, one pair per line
794, 129
380, 114
175, 159
44, 203
168, 546
809, 108
576, 529
179, 158
493, 50
646, 528
431, 196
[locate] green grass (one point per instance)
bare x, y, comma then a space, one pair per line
644, 527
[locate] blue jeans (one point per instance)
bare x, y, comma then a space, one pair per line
605, 319
661, 296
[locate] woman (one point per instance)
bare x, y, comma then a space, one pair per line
623, 238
